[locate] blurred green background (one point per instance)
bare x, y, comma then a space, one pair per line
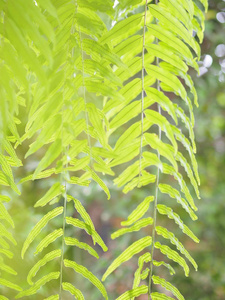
209, 282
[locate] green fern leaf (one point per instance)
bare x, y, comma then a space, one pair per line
145, 258
156, 143
42, 262
5, 215
10, 285
159, 296
133, 249
39, 226
87, 274
6, 252
52, 153
74, 291
164, 210
163, 124
135, 227
162, 263
88, 229
123, 29
169, 235
138, 212
167, 78
143, 289
5, 233
172, 24
7, 269
173, 193
3, 243
50, 238
35, 287
3, 298
173, 255
168, 286
97, 179
53, 297
74, 242
53, 192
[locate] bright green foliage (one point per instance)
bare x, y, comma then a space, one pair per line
56, 57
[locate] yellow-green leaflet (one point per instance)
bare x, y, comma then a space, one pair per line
162, 122
3, 243
10, 285
173, 193
97, 179
168, 286
8, 148
167, 55
82, 212
167, 169
180, 137
78, 164
74, 242
3, 298
6, 252
135, 227
165, 210
87, 274
169, 235
50, 128
162, 263
143, 180
5, 233
39, 226
43, 174
88, 229
134, 169
74, 291
159, 296
8, 173
42, 262
53, 297
53, 192
143, 289
4, 198
50, 238
133, 249
52, 153
189, 172
137, 276
79, 181
5, 215
167, 78
123, 29
171, 254
164, 101
171, 23
5, 268
153, 140
36, 286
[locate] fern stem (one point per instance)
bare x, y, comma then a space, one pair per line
63, 244
84, 92
156, 193
143, 87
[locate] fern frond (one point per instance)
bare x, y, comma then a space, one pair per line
74, 291
42, 262
87, 274
168, 286
36, 286
133, 249
39, 226
143, 289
